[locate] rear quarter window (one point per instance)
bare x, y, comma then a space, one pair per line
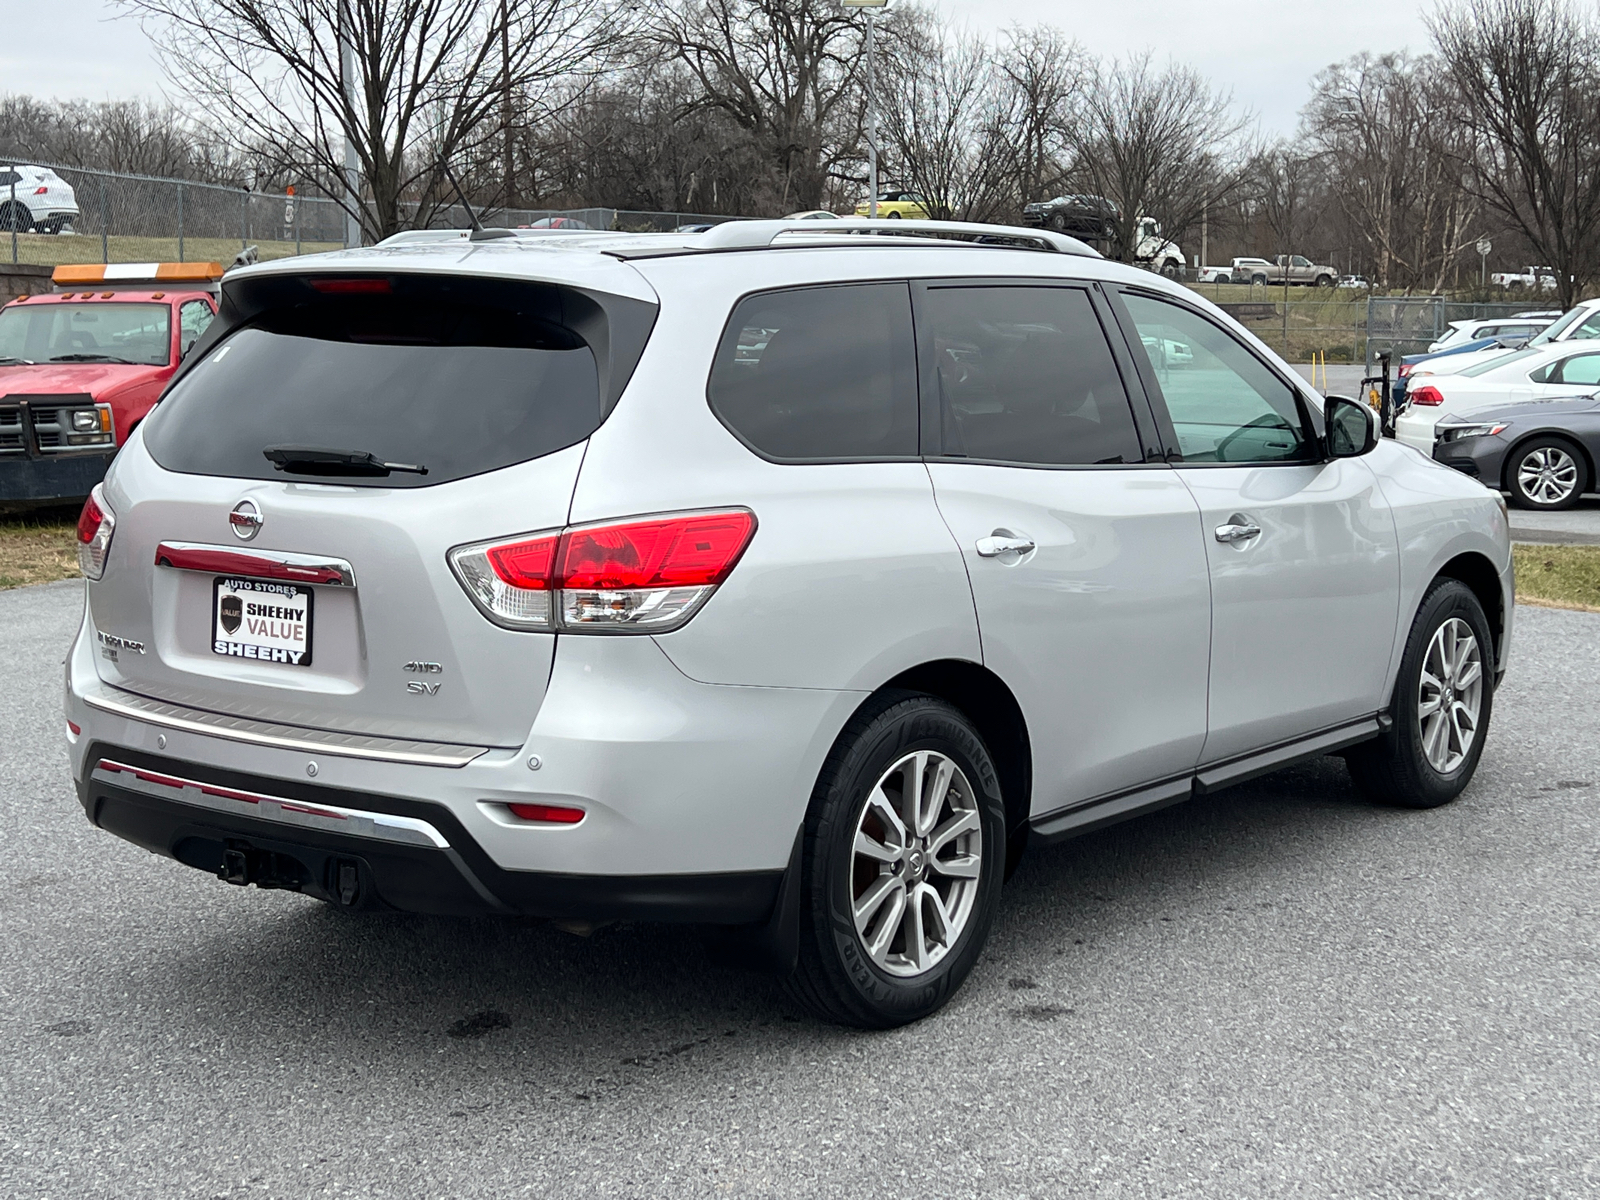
822, 374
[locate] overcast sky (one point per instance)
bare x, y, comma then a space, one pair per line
1264, 51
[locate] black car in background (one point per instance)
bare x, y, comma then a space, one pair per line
1541, 451
1092, 218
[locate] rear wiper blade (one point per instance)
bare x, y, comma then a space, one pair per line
319, 460
108, 358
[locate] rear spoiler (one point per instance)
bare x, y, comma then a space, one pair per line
138, 277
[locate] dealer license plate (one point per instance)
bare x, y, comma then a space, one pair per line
261, 619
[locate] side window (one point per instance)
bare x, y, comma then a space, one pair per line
825, 373
1589, 329
1225, 405
1581, 369
1025, 375
193, 318
7, 178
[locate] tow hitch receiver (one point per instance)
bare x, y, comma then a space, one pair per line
242, 864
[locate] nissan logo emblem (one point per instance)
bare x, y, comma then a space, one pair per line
245, 519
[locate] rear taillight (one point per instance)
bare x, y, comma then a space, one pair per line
40, 191
509, 581
636, 576
1405, 370
1428, 397
96, 524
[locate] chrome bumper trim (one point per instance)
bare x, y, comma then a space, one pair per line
280, 737
383, 827
257, 564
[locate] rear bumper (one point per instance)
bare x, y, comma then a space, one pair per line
692, 792
375, 852
63, 477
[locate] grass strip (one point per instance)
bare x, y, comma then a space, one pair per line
1558, 576
38, 547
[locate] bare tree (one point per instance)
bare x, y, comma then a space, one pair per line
1528, 75
1388, 130
1161, 143
427, 83
783, 70
1044, 74
945, 122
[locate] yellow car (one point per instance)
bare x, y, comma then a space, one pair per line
894, 205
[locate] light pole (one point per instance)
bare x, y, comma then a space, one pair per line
352, 166
872, 7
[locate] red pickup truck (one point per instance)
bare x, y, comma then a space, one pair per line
81, 366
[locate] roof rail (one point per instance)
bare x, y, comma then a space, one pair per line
752, 235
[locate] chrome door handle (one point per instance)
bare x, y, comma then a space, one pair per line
993, 547
1237, 533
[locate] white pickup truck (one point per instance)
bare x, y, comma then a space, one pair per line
1528, 278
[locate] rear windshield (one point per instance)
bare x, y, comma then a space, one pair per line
105, 331
456, 388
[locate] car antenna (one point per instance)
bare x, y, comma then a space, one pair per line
479, 233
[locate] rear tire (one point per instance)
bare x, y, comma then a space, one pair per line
1547, 474
1325, 281
19, 211
1443, 701
897, 897
894, 216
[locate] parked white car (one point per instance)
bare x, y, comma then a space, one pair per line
767, 577
35, 198
1533, 373
1579, 323
1507, 329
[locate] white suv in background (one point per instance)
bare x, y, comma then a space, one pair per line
776, 577
35, 198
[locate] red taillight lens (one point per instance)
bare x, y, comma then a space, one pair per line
635, 576
1405, 369
1428, 397
524, 564
353, 287
695, 551
76, 730
96, 524
89, 520
549, 814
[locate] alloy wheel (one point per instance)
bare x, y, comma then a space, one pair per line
1450, 695
1548, 475
916, 861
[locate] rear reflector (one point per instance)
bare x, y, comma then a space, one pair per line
75, 729
1428, 397
634, 576
548, 814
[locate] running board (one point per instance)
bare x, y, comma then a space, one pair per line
1100, 811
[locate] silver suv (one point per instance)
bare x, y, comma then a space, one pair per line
775, 577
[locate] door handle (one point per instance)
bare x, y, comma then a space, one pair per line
993, 547
1238, 532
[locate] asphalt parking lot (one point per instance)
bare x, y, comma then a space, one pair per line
1274, 992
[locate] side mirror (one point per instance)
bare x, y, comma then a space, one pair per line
1352, 427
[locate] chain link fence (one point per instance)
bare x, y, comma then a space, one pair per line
1401, 325
142, 218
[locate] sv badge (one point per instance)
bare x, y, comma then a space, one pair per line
418, 688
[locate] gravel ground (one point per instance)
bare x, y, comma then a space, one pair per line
1274, 992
